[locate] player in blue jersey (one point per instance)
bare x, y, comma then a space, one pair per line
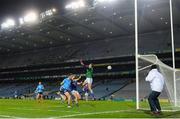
39, 90
65, 89
74, 90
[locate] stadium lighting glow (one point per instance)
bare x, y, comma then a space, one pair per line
101, 1
49, 12
76, 5
30, 17
8, 24
54, 10
21, 21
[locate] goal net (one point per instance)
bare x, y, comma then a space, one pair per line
171, 93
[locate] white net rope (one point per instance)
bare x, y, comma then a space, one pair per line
145, 62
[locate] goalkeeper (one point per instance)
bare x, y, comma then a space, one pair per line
156, 80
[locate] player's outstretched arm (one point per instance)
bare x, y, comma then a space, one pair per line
79, 83
62, 82
82, 63
76, 79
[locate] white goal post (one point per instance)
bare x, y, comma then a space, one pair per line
136, 52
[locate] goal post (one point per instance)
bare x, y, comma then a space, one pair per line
174, 71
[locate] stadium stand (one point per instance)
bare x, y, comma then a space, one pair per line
89, 50
117, 82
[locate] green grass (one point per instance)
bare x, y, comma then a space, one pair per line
91, 109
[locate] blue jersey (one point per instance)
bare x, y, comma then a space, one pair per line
40, 88
66, 84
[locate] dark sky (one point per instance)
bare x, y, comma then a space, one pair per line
16, 8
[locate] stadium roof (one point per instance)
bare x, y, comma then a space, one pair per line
98, 22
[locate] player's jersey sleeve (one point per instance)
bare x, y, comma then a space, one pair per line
42, 87
150, 76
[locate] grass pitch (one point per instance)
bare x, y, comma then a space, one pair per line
90, 109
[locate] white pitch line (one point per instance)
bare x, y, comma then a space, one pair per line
106, 112
73, 115
85, 114
28, 109
165, 110
56, 106
5, 116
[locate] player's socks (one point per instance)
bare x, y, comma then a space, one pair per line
86, 96
68, 106
92, 95
77, 104
73, 101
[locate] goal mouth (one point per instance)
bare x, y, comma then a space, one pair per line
172, 83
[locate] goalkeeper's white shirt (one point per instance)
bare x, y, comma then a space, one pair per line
156, 80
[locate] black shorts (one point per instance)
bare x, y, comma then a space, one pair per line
40, 93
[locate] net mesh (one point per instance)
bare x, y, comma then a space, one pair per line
168, 95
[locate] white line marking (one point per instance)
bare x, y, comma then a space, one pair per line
107, 112
73, 115
50, 110
5, 116
85, 114
166, 110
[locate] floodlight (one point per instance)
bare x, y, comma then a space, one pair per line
81, 3
8, 24
76, 5
48, 13
101, 0
54, 10
105, 1
31, 17
21, 20
42, 15
4, 25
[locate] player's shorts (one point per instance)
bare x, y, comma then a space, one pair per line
62, 90
85, 89
40, 93
74, 91
89, 80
